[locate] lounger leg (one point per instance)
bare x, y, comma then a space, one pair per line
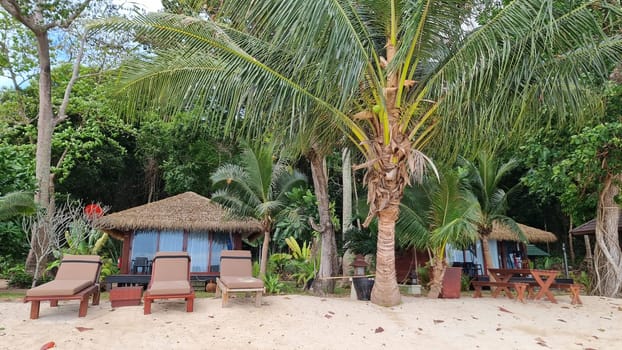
225, 298
258, 299
84, 306
34, 309
218, 289
147, 309
96, 296
190, 304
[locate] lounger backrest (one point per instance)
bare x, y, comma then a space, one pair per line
79, 267
236, 263
171, 266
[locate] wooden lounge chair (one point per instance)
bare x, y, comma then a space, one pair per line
77, 279
170, 279
236, 276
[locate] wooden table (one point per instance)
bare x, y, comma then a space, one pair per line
543, 280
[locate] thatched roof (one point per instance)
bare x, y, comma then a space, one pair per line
589, 228
187, 211
534, 235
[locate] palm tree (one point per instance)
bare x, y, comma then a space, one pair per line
393, 76
16, 203
256, 188
435, 213
485, 182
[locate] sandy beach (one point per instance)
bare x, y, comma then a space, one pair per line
308, 322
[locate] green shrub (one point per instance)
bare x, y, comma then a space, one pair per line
273, 284
465, 282
423, 275
18, 277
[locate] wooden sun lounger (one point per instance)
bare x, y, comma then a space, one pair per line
236, 276
77, 279
170, 279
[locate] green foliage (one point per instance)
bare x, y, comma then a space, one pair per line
299, 253
280, 263
109, 267
18, 277
549, 263
184, 150
437, 212
465, 282
17, 166
423, 275
583, 278
273, 283
293, 220
362, 241
13, 241
573, 168
16, 204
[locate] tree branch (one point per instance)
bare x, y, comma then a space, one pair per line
75, 74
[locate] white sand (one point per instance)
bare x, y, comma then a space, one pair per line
307, 322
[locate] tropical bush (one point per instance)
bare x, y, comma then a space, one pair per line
273, 283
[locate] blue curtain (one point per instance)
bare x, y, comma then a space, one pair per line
220, 242
171, 241
145, 244
198, 249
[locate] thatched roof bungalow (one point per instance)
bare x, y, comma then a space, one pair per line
503, 244
185, 222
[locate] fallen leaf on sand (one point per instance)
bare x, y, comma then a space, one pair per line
474, 317
504, 310
560, 320
48, 345
438, 321
379, 330
541, 342
330, 312
328, 316
82, 329
498, 329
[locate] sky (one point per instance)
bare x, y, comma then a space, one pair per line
148, 5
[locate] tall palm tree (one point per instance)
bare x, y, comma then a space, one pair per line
435, 213
393, 76
485, 182
256, 188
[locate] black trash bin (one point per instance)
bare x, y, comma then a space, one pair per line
363, 286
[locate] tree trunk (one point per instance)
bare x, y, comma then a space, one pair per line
436, 277
385, 291
45, 128
608, 255
263, 266
328, 255
346, 171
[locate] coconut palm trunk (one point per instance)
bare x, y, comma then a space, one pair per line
386, 291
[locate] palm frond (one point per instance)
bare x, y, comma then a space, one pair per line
15, 204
